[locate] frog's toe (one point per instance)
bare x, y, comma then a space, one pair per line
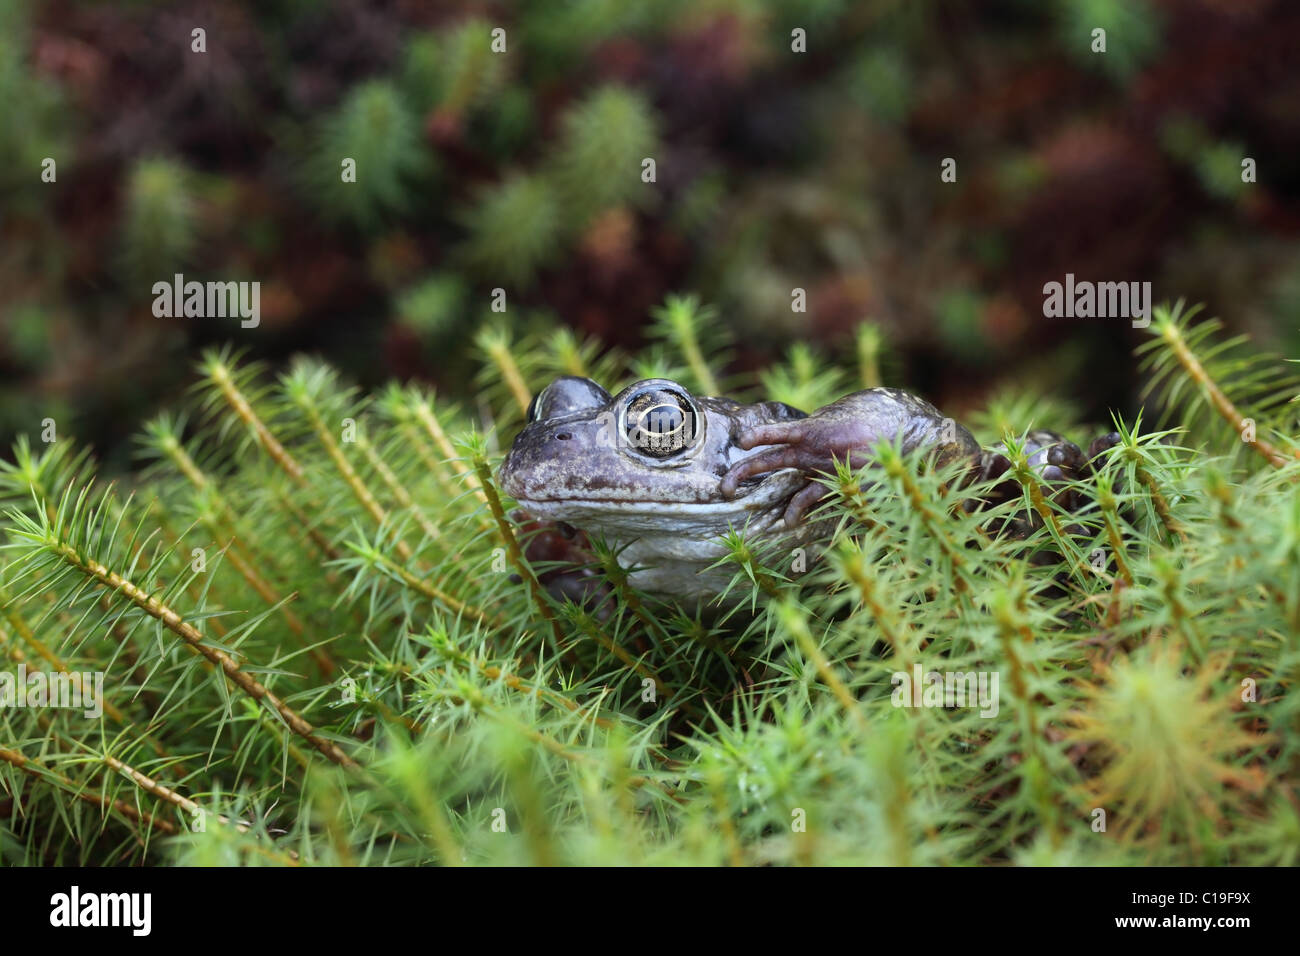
1102, 444
776, 433
774, 459
811, 451
1066, 457
802, 503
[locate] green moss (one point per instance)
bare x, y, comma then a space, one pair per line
376, 129
513, 229
605, 137
429, 703
160, 221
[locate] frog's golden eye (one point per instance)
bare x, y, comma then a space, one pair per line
661, 423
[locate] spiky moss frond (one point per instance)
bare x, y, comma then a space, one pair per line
690, 328
377, 130
42, 472
876, 364
1217, 164
566, 354
1133, 34
160, 221
803, 380
462, 86
509, 377
453, 69
701, 201
551, 31
515, 226
513, 229
1240, 400
1014, 409
322, 635
959, 315
35, 125
29, 334
597, 162
1167, 743
433, 306
880, 80
509, 125
516, 367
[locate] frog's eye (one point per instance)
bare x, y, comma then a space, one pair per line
662, 422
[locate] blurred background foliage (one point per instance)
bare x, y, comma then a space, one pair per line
775, 170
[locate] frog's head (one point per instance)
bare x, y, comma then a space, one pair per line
649, 457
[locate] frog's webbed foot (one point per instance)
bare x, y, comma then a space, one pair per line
810, 447
846, 432
805, 445
1100, 445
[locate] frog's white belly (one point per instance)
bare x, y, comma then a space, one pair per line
678, 564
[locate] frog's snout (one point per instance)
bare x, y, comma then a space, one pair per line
540, 459
514, 471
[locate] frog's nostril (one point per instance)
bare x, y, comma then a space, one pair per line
562, 436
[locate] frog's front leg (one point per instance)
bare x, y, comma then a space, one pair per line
847, 430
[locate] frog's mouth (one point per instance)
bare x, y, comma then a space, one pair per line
769, 492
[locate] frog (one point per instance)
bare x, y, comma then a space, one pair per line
662, 474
